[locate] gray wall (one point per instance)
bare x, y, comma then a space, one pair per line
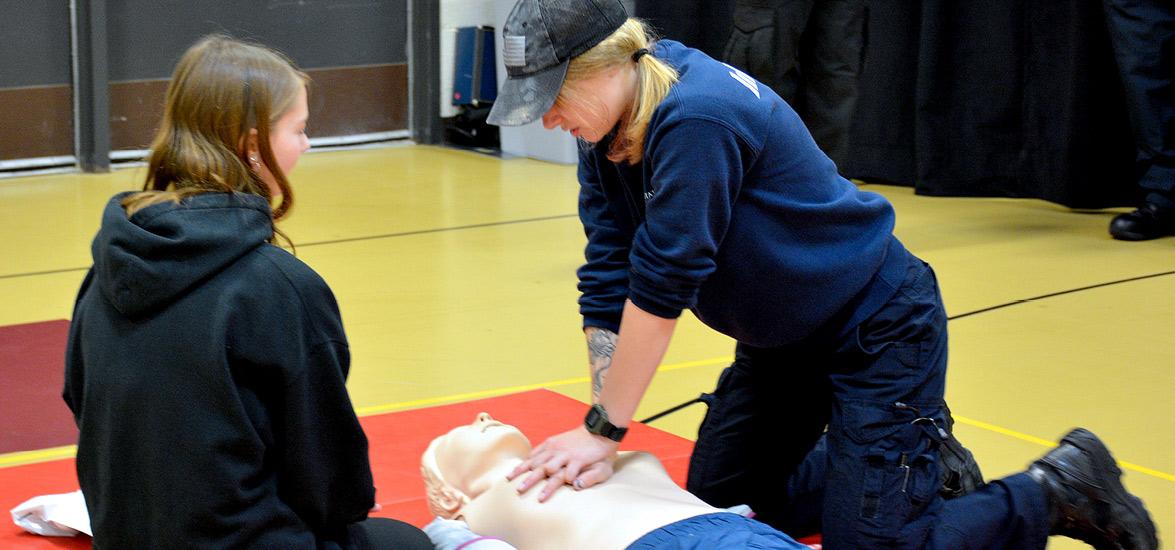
34, 43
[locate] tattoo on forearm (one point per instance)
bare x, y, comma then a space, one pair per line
601, 346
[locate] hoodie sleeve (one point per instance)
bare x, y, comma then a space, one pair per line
324, 469
319, 448
75, 371
603, 279
697, 172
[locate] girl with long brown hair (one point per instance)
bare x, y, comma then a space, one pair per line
206, 366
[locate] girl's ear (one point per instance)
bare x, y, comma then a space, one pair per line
251, 143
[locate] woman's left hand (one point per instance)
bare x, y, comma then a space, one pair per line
574, 457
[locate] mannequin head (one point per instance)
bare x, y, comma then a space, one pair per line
461, 464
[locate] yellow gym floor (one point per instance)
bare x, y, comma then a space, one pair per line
455, 272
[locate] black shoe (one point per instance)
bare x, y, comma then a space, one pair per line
1150, 221
1086, 498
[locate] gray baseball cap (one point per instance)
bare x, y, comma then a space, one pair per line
539, 39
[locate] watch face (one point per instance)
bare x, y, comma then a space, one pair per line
594, 420
597, 423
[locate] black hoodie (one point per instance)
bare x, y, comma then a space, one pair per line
205, 369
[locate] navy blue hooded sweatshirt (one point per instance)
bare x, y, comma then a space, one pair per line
205, 369
735, 213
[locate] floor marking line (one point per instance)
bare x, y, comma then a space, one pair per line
439, 230
347, 240
1059, 293
1004, 431
389, 407
1050, 444
40, 455
49, 272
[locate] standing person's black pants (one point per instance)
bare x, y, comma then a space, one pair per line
1143, 34
810, 53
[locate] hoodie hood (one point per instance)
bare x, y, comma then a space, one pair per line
149, 260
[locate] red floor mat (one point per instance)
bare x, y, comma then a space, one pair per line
32, 414
20, 483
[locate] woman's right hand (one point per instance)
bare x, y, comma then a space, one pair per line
574, 457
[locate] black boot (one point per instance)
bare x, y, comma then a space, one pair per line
1086, 498
1150, 221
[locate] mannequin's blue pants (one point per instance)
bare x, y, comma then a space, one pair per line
719, 531
839, 435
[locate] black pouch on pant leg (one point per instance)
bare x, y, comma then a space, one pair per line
957, 470
884, 477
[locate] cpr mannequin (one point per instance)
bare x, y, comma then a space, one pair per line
465, 477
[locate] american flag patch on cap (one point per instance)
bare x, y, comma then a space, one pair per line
514, 51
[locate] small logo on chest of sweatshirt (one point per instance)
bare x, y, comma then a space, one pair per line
649, 194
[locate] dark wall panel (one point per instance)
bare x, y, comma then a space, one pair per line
148, 36
34, 43
36, 122
135, 109
358, 100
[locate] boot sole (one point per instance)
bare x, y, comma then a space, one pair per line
1125, 506
1133, 237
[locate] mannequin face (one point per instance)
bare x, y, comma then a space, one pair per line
589, 108
468, 455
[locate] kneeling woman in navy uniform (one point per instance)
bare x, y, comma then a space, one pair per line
702, 190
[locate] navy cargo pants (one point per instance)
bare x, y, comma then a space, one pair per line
876, 390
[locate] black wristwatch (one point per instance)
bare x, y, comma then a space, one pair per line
597, 423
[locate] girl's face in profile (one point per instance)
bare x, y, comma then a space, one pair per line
287, 139
590, 108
